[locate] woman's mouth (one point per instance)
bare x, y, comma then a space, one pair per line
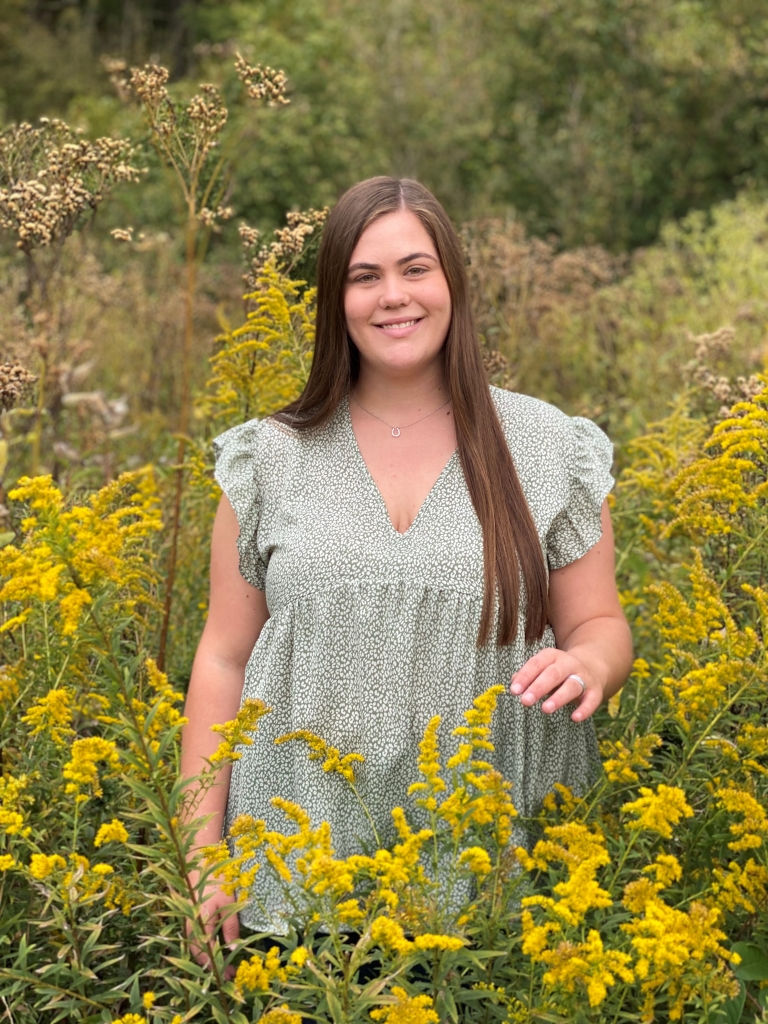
399, 325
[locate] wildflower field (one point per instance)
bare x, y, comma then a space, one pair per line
644, 898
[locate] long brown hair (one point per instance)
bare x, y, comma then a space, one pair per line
511, 545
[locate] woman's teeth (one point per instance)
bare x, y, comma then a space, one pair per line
406, 323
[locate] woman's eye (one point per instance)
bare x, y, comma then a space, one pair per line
416, 271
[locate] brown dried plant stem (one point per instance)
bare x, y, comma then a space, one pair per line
186, 398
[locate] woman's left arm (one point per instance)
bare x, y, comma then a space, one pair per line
591, 632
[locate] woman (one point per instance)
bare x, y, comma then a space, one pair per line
396, 541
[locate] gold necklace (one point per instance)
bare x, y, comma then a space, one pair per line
396, 430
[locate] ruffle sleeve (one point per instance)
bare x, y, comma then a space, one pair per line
576, 528
236, 452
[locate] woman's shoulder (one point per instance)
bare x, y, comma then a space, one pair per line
545, 433
528, 415
256, 438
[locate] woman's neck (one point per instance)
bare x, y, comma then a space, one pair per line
397, 395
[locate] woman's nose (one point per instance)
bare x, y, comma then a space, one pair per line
393, 292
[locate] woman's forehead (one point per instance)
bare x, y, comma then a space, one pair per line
391, 238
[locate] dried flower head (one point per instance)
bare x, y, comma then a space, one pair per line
50, 176
289, 245
15, 381
262, 82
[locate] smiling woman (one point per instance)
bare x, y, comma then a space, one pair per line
396, 541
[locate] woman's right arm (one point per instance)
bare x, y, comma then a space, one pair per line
236, 614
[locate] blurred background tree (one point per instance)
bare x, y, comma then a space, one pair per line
594, 122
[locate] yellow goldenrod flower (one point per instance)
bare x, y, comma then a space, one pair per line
754, 823
81, 770
299, 956
753, 742
742, 887
406, 1009
476, 859
236, 732
258, 973
51, 715
429, 767
477, 730
536, 936
660, 811
562, 800
350, 911
667, 869
148, 1000
389, 935
42, 865
638, 894
6, 862
583, 852
621, 764
278, 864
586, 964
280, 1015
129, 1018
673, 948
263, 365
449, 943
71, 607
12, 800
66, 553
111, 832
319, 750
9, 685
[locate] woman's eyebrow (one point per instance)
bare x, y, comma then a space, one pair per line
416, 256
405, 259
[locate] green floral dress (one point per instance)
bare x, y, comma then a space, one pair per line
372, 632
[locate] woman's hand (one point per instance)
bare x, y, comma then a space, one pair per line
591, 633
552, 672
213, 917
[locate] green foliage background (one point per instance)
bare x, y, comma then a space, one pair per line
596, 121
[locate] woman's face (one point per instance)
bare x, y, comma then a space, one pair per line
396, 299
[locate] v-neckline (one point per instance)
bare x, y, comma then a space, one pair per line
377, 492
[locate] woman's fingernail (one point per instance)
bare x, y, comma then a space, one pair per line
515, 687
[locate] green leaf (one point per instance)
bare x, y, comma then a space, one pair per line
449, 1003
7, 538
754, 962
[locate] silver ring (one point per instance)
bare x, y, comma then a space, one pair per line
580, 681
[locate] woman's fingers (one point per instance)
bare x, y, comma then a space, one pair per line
546, 677
551, 674
524, 676
589, 703
569, 690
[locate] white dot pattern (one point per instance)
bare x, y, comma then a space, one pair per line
372, 632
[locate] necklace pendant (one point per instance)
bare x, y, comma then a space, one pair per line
395, 431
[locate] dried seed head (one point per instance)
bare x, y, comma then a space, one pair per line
262, 82
15, 380
288, 245
49, 177
148, 84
